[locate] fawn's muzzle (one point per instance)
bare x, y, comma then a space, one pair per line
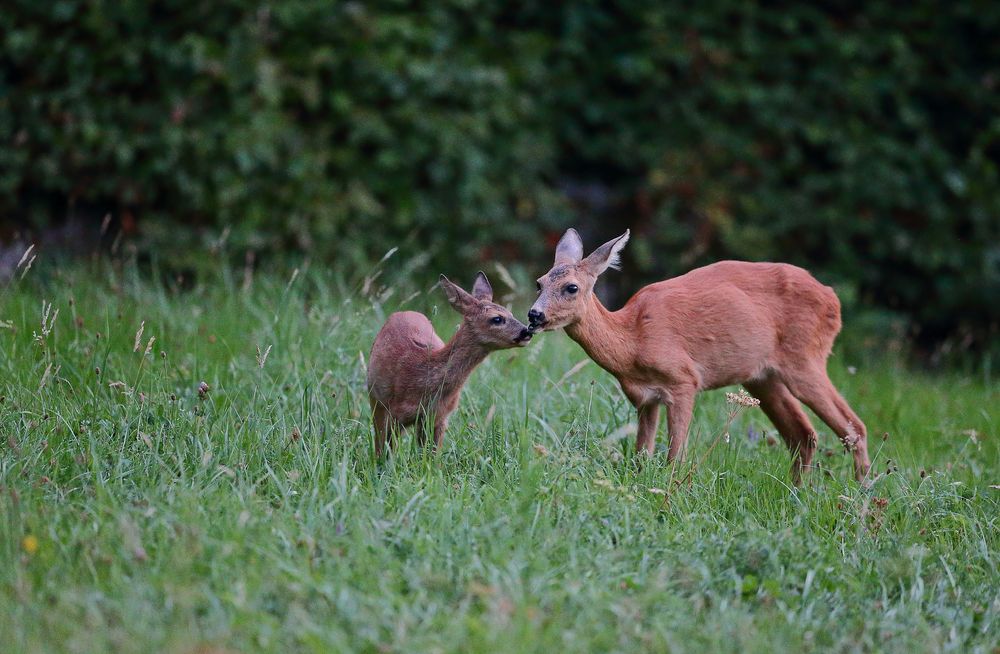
524, 336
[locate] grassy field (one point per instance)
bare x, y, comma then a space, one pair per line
140, 514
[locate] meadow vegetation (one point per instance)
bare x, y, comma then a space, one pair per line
186, 468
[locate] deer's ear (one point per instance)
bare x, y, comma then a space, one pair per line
461, 301
570, 248
607, 256
481, 289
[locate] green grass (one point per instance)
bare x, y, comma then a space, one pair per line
256, 518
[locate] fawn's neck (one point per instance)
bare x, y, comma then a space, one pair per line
604, 336
450, 366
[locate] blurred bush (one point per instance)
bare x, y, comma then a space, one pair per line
859, 139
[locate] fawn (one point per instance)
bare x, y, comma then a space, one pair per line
413, 374
767, 326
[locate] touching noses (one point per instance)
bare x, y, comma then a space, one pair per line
535, 317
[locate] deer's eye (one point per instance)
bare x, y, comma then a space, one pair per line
572, 288
497, 320
539, 286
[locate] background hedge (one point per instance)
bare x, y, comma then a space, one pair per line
861, 139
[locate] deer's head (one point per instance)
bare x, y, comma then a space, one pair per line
564, 291
493, 326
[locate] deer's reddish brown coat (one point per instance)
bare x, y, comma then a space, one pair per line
767, 326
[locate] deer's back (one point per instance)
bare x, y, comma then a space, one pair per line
732, 320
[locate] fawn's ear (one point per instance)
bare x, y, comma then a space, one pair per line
570, 248
607, 256
481, 289
460, 301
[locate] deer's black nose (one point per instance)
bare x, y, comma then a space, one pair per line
536, 317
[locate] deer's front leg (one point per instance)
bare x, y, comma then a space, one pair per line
649, 420
680, 405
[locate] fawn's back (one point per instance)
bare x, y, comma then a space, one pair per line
401, 348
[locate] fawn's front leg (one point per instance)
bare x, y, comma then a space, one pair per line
440, 425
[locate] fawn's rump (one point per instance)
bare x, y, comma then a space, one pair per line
401, 344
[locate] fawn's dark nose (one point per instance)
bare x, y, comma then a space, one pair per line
536, 317
524, 336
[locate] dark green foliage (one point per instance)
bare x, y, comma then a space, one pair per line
859, 139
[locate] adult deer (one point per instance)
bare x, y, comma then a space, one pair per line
767, 326
413, 374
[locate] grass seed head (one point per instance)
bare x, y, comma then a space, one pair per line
138, 336
742, 398
262, 356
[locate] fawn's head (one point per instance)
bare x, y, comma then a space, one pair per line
564, 291
492, 325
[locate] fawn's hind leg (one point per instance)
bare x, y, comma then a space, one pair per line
384, 426
439, 422
784, 411
425, 425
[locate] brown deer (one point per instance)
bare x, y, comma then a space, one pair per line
767, 326
413, 375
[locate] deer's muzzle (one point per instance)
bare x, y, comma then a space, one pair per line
536, 319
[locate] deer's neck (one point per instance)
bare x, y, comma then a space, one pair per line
604, 335
450, 366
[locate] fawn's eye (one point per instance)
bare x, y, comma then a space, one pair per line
571, 288
497, 320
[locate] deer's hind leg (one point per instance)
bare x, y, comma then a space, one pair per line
784, 411
813, 387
